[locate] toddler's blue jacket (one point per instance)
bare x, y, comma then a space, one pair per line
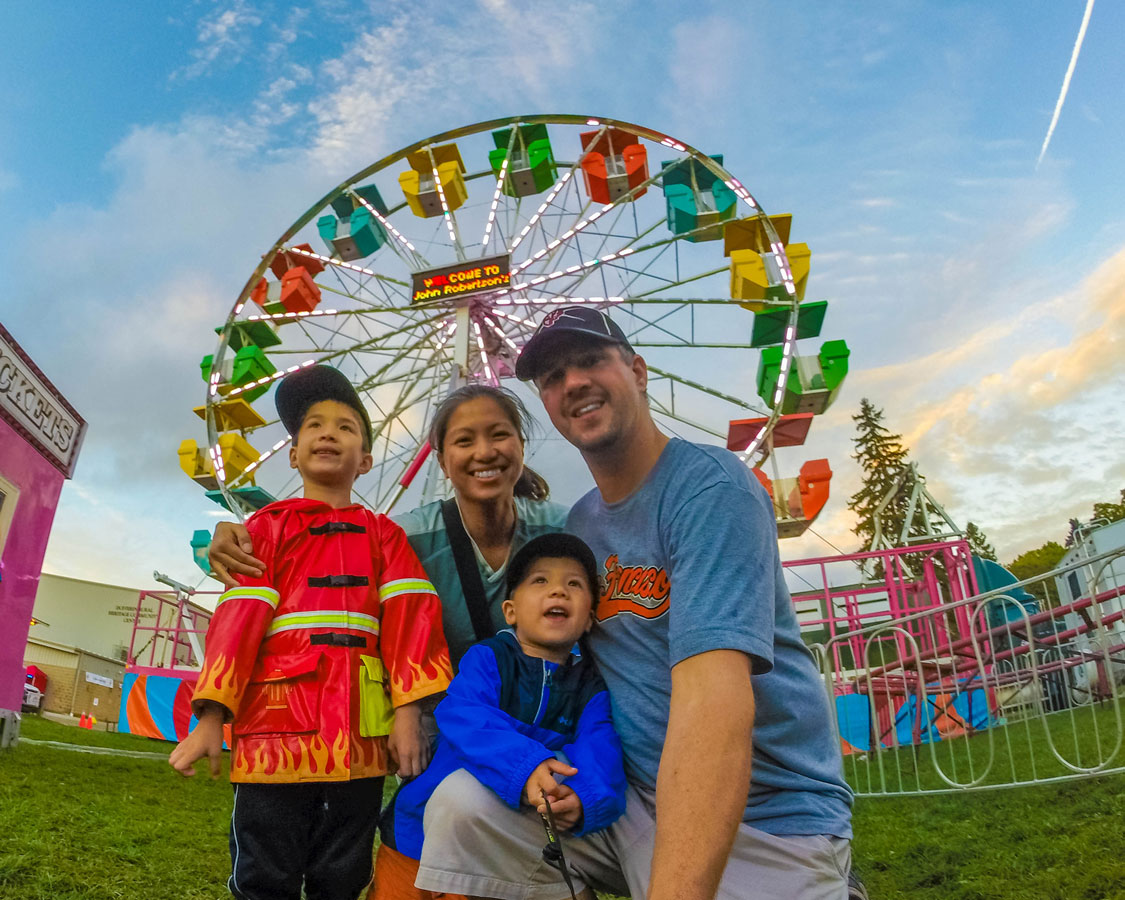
504, 713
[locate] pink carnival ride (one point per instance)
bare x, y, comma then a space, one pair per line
942, 643
164, 660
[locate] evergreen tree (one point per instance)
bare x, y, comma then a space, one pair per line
881, 456
978, 543
1111, 512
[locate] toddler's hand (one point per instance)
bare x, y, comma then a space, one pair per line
566, 808
541, 780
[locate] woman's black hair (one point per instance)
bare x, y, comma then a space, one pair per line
531, 484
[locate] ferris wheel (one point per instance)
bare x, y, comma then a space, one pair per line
433, 265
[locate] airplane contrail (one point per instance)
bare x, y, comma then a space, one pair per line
1066, 80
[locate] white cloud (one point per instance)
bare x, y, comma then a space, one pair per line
274, 106
416, 72
146, 278
1012, 423
222, 37
287, 33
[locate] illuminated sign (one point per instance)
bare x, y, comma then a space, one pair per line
462, 280
32, 405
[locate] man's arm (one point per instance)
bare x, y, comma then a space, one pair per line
704, 774
238, 627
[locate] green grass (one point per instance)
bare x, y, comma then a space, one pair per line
74, 825
1056, 842
45, 730
1020, 751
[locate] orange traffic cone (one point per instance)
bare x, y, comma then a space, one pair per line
82, 721
92, 721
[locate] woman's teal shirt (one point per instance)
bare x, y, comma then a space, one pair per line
425, 529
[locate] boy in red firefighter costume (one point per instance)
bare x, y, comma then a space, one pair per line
318, 664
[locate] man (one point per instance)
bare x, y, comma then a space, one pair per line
735, 776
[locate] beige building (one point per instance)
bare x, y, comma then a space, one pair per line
80, 634
78, 681
97, 617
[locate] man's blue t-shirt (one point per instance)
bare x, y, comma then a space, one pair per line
690, 563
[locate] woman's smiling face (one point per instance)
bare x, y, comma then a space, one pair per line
481, 453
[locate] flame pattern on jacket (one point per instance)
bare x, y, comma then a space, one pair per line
312, 658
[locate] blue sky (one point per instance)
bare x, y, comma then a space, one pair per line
149, 153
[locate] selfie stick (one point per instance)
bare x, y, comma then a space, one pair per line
553, 852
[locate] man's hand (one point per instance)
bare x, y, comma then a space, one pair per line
231, 553
566, 808
542, 781
206, 739
407, 744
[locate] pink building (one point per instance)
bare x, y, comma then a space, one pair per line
40, 435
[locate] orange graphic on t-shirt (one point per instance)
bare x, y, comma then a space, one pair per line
638, 590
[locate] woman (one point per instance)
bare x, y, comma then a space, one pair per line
479, 433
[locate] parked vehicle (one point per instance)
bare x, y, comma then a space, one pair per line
32, 698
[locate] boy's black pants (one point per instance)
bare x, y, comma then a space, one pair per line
319, 833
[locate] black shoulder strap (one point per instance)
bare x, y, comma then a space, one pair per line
471, 585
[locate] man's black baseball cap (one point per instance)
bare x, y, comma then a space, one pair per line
557, 545
580, 320
301, 389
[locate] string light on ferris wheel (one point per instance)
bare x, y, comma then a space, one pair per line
735, 185
511, 318
399, 236
588, 264
450, 326
495, 203
593, 217
446, 214
483, 352
302, 314
542, 209
332, 261
499, 332
267, 379
217, 463
558, 300
261, 459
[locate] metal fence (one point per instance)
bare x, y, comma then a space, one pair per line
936, 691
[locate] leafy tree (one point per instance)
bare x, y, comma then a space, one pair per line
1111, 512
881, 456
1036, 562
978, 543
